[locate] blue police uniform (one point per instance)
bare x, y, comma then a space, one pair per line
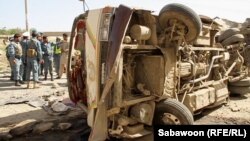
34, 54
11, 64
15, 56
24, 44
48, 50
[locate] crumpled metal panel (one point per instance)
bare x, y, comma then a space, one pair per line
121, 19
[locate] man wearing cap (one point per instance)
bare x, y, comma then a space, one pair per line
47, 50
34, 54
15, 57
64, 56
24, 44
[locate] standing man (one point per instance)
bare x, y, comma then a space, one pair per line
47, 50
24, 44
64, 56
8, 57
15, 57
40, 66
34, 54
57, 54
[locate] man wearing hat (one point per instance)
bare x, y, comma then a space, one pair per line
24, 44
34, 54
64, 54
15, 57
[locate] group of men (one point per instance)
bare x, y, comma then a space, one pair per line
36, 55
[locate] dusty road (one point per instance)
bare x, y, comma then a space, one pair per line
236, 111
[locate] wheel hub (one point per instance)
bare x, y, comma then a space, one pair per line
169, 118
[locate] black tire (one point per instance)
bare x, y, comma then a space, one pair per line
179, 111
233, 39
228, 33
239, 90
184, 14
242, 83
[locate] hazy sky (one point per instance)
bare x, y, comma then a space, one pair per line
58, 15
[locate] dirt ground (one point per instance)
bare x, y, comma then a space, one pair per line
17, 107
236, 111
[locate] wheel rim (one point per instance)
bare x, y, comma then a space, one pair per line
169, 118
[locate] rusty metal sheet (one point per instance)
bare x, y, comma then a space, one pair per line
122, 17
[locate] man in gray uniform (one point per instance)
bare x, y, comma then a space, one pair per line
40, 39
15, 57
34, 54
11, 39
47, 50
24, 44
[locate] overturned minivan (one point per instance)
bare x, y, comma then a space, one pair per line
134, 69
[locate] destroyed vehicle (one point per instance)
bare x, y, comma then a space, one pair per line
135, 69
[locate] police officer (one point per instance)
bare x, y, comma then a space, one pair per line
34, 54
47, 50
24, 44
11, 39
15, 57
40, 66
57, 54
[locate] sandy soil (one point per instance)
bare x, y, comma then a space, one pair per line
236, 111
21, 110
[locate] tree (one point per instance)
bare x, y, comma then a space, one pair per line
11, 31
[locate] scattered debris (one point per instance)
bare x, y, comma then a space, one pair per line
59, 107
41, 127
59, 93
55, 85
38, 102
54, 98
235, 109
14, 100
64, 126
68, 102
23, 127
4, 134
56, 109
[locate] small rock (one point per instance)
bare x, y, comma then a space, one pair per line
39, 128
60, 93
235, 109
68, 102
55, 85
76, 113
23, 127
59, 107
5, 137
4, 134
37, 102
64, 126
